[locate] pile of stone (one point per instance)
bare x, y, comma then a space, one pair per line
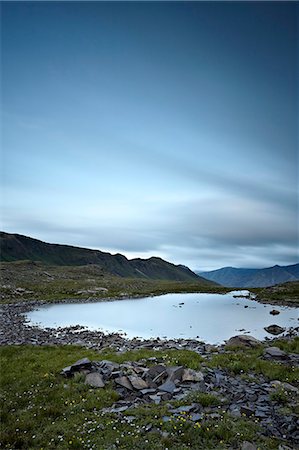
151, 381
137, 383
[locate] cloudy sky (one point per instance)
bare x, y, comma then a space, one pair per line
167, 129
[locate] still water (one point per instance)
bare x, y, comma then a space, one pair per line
212, 318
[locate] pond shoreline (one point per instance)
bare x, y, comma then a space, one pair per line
15, 329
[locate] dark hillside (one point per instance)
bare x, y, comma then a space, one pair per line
16, 247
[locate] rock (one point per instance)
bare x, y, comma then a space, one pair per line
192, 375
105, 363
274, 312
286, 386
160, 377
247, 411
175, 373
147, 391
183, 409
275, 353
94, 379
138, 383
243, 341
155, 398
248, 446
154, 371
84, 363
274, 329
124, 382
168, 386
195, 417
67, 371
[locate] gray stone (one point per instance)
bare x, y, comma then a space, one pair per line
160, 377
275, 353
195, 417
248, 446
94, 379
155, 398
138, 383
81, 364
155, 370
168, 386
175, 373
192, 375
183, 409
247, 411
147, 391
67, 371
124, 382
109, 364
243, 341
274, 329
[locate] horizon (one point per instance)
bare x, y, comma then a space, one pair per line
153, 129
154, 256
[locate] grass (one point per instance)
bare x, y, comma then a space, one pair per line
285, 293
239, 361
43, 410
52, 283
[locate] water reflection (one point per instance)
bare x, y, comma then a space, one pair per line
212, 318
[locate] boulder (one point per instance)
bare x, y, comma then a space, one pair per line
275, 353
274, 329
243, 340
95, 379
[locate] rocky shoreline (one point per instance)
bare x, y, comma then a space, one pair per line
15, 330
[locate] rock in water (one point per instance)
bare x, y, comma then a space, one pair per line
274, 329
274, 312
243, 341
94, 379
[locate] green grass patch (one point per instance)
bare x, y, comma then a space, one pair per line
244, 361
43, 410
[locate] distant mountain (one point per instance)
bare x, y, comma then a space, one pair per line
270, 276
16, 247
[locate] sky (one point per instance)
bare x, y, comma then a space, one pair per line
153, 129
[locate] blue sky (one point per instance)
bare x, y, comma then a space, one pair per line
166, 129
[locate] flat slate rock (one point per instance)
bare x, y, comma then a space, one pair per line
168, 386
81, 363
192, 375
95, 379
275, 353
156, 370
124, 382
138, 383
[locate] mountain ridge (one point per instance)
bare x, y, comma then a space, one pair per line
246, 278
17, 247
